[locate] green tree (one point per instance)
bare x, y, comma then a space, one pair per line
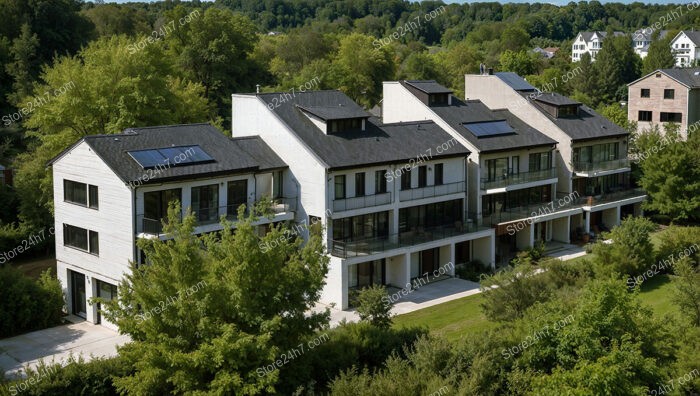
671, 175
212, 320
615, 113
374, 306
686, 293
660, 56
360, 68
631, 251
214, 48
522, 62
103, 90
419, 66
24, 66
616, 65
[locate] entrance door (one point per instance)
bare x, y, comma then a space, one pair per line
429, 260
78, 293
541, 232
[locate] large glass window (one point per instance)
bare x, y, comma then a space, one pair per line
80, 238
77, 193
422, 176
669, 93
106, 290
205, 202
497, 168
380, 181
540, 161
237, 195
360, 227
406, 180
359, 184
597, 153
367, 274
439, 174
277, 184
340, 187
156, 202
670, 117
430, 215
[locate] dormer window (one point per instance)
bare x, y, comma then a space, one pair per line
437, 99
348, 124
568, 111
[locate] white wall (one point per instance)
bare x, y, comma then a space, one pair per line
113, 219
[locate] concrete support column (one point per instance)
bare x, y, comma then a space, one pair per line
452, 260
587, 221
90, 292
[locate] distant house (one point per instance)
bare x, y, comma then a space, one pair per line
641, 39
548, 52
589, 42
686, 48
665, 95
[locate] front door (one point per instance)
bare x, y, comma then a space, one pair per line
429, 261
78, 293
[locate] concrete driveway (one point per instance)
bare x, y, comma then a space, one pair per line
56, 344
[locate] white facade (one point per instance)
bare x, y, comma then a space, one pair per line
495, 93
400, 260
685, 49
587, 42
119, 221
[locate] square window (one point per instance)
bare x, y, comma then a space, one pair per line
644, 116
645, 93
669, 93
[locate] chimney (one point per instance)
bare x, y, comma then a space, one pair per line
257, 88
490, 71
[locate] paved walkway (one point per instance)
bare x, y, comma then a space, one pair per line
56, 344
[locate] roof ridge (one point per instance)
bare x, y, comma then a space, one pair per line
167, 126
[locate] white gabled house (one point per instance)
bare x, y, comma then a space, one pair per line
111, 190
686, 48
392, 196
589, 42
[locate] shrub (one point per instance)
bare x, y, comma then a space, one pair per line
26, 304
677, 240
631, 251
76, 378
472, 270
374, 306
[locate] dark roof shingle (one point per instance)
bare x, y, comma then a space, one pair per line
428, 86
231, 155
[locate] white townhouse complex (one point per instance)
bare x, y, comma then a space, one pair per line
392, 196
111, 190
512, 169
686, 48
588, 42
664, 96
591, 154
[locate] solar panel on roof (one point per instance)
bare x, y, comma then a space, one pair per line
515, 81
170, 156
489, 128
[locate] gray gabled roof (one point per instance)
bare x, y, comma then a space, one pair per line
474, 111
231, 155
693, 35
428, 86
690, 77
587, 36
586, 126
378, 144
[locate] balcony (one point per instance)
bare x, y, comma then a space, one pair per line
431, 191
596, 167
379, 244
209, 216
527, 211
518, 178
617, 194
340, 205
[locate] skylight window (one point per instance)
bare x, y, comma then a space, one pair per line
489, 128
170, 156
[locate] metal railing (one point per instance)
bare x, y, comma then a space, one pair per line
365, 201
616, 194
532, 210
365, 246
597, 166
518, 178
431, 191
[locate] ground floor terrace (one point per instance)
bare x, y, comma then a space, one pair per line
80, 286
404, 266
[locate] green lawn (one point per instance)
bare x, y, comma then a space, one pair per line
453, 319
459, 318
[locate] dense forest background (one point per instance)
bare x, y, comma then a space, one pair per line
70, 68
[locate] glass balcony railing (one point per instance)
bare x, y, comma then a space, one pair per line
518, 178
431, 191
366, 246
614, 194
599, 166
365, 201
207, 216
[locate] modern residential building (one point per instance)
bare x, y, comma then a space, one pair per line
111, 190
686, 47
589, 42
512, 168
591, 153
392, 196
665, 95
641, 40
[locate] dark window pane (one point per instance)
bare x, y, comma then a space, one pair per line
75, 192
94, 243
438, 174
422, 176
359, 184
75, 237
340, 187
94, 202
